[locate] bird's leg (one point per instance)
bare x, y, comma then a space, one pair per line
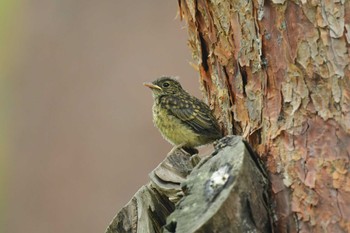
176, 147
190, 150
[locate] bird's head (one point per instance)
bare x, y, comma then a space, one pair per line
165, 86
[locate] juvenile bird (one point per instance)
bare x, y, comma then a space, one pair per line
182, 119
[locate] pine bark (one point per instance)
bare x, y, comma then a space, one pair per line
277, 73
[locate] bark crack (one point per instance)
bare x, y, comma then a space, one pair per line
204, 53
244, 78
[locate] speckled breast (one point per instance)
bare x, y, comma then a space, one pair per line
173, 129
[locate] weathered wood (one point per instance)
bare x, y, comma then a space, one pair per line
224, 192
148, 209
169, 174
145, 213
227, 193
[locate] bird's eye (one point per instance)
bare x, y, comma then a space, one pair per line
166, 84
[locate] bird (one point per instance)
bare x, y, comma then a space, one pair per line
183, 120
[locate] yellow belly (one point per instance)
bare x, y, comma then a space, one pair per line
175, 131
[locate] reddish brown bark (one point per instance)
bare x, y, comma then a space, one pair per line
277, 73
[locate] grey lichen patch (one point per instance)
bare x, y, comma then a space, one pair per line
218, 180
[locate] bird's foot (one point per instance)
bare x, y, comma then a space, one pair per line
176, 147
189, 150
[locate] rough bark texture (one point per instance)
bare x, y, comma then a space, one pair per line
226, 191
277, 73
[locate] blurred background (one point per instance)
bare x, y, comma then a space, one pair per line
76, 132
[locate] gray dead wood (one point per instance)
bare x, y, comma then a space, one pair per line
225, 192
147, 210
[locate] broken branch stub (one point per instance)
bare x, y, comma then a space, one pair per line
227, 193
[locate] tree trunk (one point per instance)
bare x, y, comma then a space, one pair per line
276, 72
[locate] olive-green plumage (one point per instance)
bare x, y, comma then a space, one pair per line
182, 119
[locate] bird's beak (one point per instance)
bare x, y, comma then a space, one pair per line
152, 86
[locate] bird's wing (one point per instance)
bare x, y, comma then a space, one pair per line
192, 112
